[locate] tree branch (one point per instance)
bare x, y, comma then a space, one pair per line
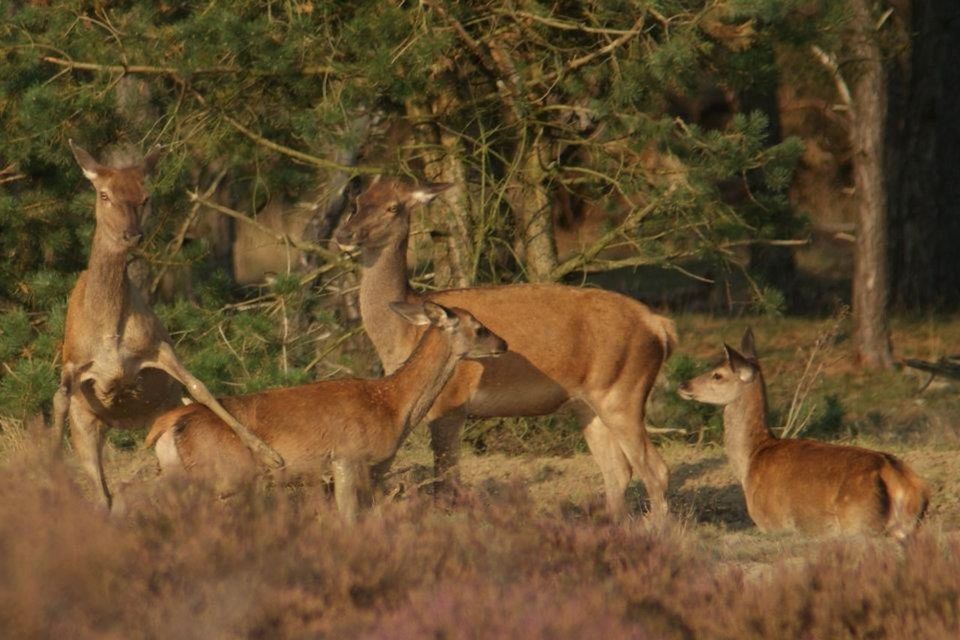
307, 247
583, 260
315, 70
174, 75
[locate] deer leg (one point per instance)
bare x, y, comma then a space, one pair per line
167, 361
631, 436
445, 442
613, 465
86, 433
345, 480
61, 405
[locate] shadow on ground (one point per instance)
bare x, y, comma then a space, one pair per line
705, 502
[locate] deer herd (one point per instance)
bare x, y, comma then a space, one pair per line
492, 351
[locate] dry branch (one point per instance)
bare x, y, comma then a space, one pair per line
331, 257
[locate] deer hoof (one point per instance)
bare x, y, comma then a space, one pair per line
269, 457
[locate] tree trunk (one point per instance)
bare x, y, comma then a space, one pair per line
530, 202
925, 181
867, 127
450, 217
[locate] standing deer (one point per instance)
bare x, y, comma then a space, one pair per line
349, 424
119, 368
596, 350
813, 487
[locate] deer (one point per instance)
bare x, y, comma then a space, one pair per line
346, 425
119, 369
798, 484
594, 351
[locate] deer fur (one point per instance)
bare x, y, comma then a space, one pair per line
594, 350
347, 424
119, 368
796, 484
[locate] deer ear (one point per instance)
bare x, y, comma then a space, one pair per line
424, 193
440, 315
747, 345
91, 168
412, 313
151, 159
744, 369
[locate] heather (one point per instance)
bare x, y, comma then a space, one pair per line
493, 562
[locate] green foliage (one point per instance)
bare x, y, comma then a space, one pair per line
27, 386
244, 86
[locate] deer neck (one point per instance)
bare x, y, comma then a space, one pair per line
382, 281
745, 427
418, 382
105, 291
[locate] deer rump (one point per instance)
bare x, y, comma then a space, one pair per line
852, 489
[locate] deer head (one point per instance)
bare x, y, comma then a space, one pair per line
121, 196
470, 339
382, 212
727, 382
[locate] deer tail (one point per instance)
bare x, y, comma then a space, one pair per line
908, 497
164, 423
668, 336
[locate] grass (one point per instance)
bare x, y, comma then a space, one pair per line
524, 551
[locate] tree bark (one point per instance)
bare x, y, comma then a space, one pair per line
867, 127
450, 216
530, 202
925, 178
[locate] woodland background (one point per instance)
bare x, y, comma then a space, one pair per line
733, 157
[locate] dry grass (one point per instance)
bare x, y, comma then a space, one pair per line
523, 552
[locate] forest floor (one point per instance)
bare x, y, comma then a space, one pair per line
528, 535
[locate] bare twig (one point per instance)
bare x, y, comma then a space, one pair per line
589, 255
233, 122
177, 243
302, 245
843, 91
793, 425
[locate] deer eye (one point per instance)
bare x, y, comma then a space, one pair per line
718, 376
393, 208
104, 196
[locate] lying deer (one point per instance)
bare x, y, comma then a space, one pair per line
813, 487
596, 350
348, 424
119, 368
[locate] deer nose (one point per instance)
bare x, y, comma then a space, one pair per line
346, 240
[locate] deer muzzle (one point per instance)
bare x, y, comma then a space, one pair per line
346, 240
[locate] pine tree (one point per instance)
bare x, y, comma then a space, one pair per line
520, 103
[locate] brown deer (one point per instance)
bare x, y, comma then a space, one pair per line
347, 424
813, 487
595, 350
119, 368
